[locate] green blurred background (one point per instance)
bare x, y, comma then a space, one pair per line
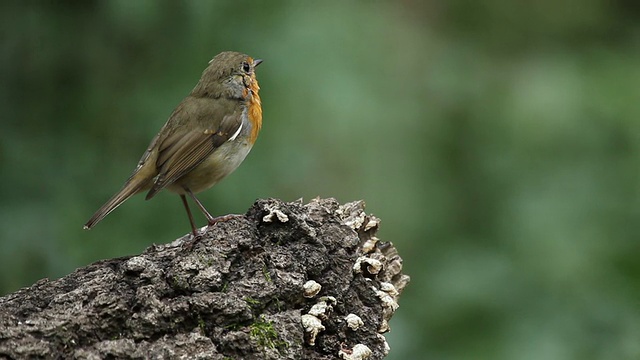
498, 141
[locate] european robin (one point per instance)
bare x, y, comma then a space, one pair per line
205, 139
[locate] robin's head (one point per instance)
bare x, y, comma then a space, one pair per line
230, 74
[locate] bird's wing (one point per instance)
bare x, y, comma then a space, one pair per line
184, 149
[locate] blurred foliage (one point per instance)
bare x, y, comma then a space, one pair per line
497, 140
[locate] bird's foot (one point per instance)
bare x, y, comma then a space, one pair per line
188, 244
196, 235
223, 218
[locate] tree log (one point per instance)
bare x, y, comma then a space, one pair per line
284, 281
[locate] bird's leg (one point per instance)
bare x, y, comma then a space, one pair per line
186, 206
210, 219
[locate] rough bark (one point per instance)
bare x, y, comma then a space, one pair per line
247, 289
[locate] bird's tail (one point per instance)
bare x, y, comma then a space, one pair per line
129, 189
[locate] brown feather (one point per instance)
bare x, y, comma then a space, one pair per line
188, 150
133, 186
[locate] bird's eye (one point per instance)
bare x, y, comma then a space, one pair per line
246, 67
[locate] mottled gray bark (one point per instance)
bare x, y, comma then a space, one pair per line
285, 281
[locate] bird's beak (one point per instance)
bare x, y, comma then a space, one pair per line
257, 62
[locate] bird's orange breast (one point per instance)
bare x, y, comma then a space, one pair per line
254, 110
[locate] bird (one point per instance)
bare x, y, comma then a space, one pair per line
205, 139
